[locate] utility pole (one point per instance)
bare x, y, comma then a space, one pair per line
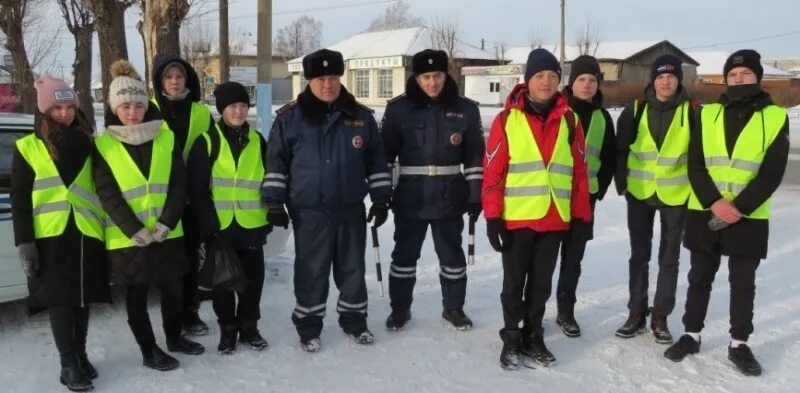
264, 85
562, 56
224, 46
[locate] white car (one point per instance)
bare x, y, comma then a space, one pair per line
13, 284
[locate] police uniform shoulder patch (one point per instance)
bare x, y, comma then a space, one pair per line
286, 107
471, 101
396, 99
455, 139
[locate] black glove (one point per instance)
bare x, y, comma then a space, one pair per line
29, 259
379, 211
277, 216
497, 233
474, 210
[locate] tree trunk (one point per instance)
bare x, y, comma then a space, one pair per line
82, 70
110, 24
161, 28
11, 25
224, 47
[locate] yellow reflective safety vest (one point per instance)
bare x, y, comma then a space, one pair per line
530, 184
146, 196
52, 201
199, 121
236, 186
663, 172
594, 146
732, 174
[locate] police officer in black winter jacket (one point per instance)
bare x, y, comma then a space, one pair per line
324, 155
433, 132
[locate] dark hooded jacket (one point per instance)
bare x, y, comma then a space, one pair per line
158, 261
745, 238
446, 131
73, 266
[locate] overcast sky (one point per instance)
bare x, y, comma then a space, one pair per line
690, 24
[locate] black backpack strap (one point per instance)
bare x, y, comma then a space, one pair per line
570, 116
215, 145
638, 112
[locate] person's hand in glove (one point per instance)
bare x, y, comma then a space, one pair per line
474, 210
379, 211
29, 259
497, 233
160, 233
142, 238
277, 216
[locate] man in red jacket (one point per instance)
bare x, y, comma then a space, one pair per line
535, 183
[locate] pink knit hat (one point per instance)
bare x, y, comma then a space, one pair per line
50, 91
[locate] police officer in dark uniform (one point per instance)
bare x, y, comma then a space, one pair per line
324, 155
432, 131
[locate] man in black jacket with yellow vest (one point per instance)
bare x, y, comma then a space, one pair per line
737, 158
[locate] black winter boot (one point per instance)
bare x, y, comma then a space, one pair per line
397, 320
536, 350
310, 344
659, 328
72, 375
566, 319
157, 359
192, 324
458, 319
249, 334
227, 339
685, 346
87, 366
635, 324
509, 355
744, 360
184, 345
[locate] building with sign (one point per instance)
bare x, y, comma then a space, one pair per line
620, 62
377, 64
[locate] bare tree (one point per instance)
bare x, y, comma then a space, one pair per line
500, 48
536, 40
240, 43
80, 22
396, 16
161, 27
298, 38
444, 36
588, 39
109, 18
197, 46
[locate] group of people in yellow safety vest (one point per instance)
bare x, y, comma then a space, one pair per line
137, 205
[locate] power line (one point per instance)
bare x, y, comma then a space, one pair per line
766, 37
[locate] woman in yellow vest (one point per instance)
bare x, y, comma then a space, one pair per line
58, 225
226, 169
736, 162
178, 95
141, 182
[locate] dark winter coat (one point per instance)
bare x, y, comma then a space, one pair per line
177, 113
331, 156
442, 132
748, 238
74, 269
608, 152
199, 176
158, 261
659, 115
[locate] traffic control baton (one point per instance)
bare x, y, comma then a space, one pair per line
471, 241
376, 247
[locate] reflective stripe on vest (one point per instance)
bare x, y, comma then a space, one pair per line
732, 175
594, 145
530, 185
52, 200
236, 186
662, 172
145, 196
199, 122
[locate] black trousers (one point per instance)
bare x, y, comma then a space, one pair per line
139, 318
70, 325
191, 241
321, 245
641, 217
409, 234
742, 279
248, 310
528, 267
572, 250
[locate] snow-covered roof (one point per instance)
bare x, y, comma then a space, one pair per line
619, 50
401, 42
712, 62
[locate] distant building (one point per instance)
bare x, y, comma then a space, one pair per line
788, 64
377, 64
711, 64
621, 62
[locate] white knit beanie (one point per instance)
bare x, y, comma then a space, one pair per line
126, 87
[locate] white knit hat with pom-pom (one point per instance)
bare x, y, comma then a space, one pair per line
126, 86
